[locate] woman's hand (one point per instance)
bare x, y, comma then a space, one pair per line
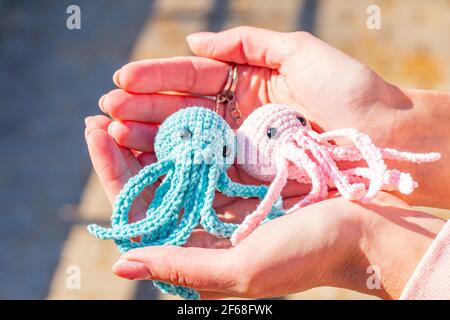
327, 86
335, 91
330, 243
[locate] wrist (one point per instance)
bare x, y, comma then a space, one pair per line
423, 127
394, 241
381, 246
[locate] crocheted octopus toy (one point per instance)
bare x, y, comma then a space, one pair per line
278, 144
194, 147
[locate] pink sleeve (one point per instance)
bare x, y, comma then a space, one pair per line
431, 279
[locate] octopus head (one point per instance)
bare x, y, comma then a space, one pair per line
261, 135
199, 133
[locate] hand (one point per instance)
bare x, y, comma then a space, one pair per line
330, 243
335, 91
327, 243
328, 87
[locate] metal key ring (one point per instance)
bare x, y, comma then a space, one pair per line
227, 95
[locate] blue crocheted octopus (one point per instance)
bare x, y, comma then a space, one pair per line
194, 147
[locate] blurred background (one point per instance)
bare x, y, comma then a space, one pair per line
51, 79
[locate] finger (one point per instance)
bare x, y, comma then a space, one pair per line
198, 268
107, 160
114, 165
133, 135
183, 74
155, 108
244, 45
98, 122
102, 123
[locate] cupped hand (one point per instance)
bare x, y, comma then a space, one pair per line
332, 242
335, 242
330, 88
323, 244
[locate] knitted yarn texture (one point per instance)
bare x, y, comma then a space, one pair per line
194, 147
277, 143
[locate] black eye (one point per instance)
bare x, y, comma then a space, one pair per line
226, 151
185, 134
271, 133
302, 120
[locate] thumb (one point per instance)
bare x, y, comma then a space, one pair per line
197, 268
244, 45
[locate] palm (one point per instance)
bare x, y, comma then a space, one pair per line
303, 75
338, 104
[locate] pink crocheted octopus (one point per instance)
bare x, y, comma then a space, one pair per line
276, 143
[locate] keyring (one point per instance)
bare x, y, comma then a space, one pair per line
227, 96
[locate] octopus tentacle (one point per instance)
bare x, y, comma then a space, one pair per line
351, 153
185, 293
136, 185
209, 219
191, 203
254, 219
319, 187
156, 222
130, 191
371, 154
125, 245
179, 236
167, 213
234, 189
392, 180
171, 237
190, 219
324, 160
156, 202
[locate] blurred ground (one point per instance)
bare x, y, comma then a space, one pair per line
52, 77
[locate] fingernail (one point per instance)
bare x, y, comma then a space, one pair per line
132, 270
198, 35
112, 127
87, 131
116, 78
88, 121
100, 102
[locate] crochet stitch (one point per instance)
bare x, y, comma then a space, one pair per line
278, 144
194, 147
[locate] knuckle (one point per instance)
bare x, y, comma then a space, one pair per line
247, 279
245, 29
114, 100
249, 284
303, 35
174, 275
191, 77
